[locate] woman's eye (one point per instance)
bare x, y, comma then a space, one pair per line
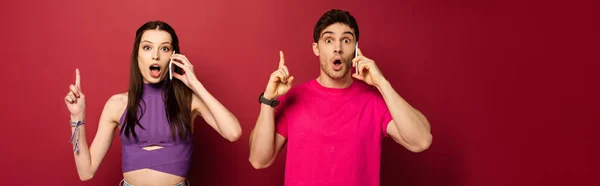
165, 49
146, 48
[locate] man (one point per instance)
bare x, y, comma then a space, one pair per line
334, 125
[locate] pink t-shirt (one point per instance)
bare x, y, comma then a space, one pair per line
333, 135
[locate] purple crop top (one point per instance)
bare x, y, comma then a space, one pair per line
174, 157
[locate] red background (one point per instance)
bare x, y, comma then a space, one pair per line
510, 87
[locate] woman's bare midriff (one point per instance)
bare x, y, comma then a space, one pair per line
149, 177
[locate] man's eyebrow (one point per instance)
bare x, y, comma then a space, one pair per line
330, 32
326, 32
348, 32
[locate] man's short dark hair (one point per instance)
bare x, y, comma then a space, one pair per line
335, 16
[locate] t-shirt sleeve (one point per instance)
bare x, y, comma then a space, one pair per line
383, 113
281, 120
281, 124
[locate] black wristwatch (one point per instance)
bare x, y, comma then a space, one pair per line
272, 103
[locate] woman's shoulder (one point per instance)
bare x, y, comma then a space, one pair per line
115, 106
118, 99
117, 102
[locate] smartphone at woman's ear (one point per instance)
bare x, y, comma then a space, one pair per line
170, 67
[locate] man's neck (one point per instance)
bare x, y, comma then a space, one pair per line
328, 82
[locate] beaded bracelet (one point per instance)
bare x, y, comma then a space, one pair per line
75, 140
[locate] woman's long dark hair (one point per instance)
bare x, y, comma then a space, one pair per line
177, 96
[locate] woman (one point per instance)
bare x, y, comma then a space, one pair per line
155, 117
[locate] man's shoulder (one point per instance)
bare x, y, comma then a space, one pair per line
296, 93
298, 90
364, 88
